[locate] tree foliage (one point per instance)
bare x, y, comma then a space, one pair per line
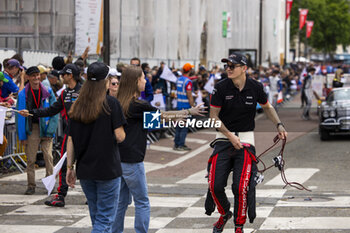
331, 23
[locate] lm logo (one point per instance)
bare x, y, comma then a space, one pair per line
151, 120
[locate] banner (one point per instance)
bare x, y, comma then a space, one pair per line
309, 26
89, 26
302, 17
288, 8
226, 24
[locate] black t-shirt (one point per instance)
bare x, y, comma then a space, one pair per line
95, 146
133, 148
238, 108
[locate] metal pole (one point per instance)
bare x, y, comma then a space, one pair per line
285, 35
36, 25
53, 23
106, 44
260, 32
299, 44
120, 28
305, 45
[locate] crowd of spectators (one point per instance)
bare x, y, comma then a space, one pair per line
286, 80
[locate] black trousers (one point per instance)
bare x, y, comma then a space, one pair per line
62, 185
242, 163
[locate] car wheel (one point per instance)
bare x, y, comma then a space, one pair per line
324, 134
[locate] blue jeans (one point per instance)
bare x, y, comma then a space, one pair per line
180, 136
133, 184
102, 197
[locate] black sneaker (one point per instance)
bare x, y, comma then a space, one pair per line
185, 148
220, 224
30, 191
239, 229
56, 201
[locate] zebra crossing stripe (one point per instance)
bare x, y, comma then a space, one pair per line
300, 175
298, 223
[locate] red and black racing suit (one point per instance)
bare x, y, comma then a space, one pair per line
226, 158
237, 113
63, 104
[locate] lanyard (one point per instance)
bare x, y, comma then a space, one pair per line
37, 103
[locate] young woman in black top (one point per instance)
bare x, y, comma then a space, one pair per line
95, 127
133, 149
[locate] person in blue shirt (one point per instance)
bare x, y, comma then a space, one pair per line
12, 69
184, 101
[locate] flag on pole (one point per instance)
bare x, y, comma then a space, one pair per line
302, 17
309, 26
288, 8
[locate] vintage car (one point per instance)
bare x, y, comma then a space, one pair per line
334, 113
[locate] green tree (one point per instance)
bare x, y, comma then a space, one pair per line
331, 23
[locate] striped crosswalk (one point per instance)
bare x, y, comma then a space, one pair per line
174, 211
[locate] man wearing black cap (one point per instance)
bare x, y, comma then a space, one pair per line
70, 77
234, 102
34, 130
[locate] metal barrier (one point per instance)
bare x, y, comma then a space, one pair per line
14, 150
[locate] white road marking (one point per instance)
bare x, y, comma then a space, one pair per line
263, 193
39, 174
300, 175
285, 223
29, 228
188, 156
247, 230
181, 159
166, 149
342, 201
196, 140
152, 166
77, 210
172, 201
199, 212
155, 222
196, 178
13, 199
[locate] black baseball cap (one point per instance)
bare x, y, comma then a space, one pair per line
32, 70
70, 69
236, 58
55, 73
97, 71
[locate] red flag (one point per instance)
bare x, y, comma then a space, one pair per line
288, 8
302, 17
309, 25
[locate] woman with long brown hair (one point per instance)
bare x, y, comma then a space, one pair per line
96, 125
133, 149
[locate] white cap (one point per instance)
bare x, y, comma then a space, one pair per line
114, 72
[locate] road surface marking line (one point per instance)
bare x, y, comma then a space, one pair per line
300, 175
296, 223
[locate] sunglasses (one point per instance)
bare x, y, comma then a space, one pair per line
232, 66
113, 84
